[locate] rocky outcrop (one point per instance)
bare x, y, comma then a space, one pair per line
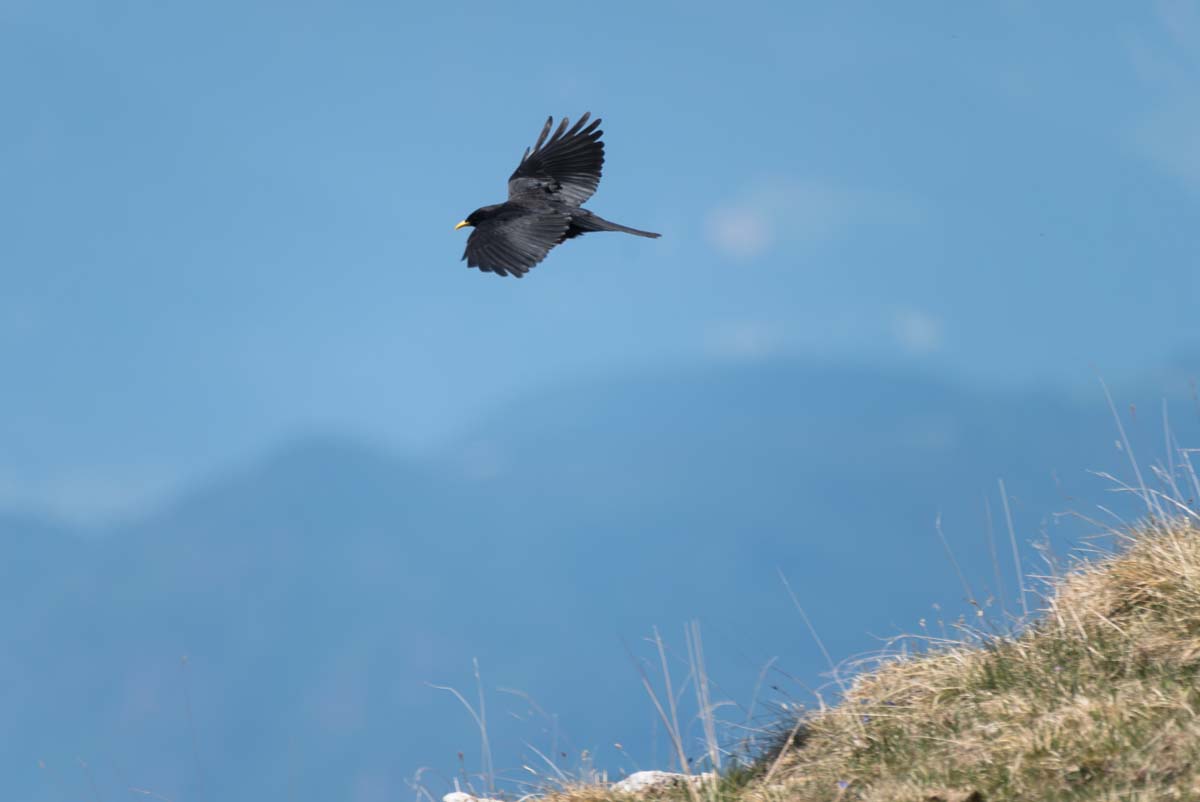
645, 783
638, 784
462, 796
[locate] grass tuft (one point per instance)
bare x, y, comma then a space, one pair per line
1097, 699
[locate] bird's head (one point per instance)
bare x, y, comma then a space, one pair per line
472, 219
482, 214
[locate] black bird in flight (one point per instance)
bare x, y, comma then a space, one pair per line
545, 202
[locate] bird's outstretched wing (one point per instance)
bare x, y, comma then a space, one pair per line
566, 167
512, 244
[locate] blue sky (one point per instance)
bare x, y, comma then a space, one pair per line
230, 223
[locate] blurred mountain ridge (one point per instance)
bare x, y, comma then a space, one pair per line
316, 590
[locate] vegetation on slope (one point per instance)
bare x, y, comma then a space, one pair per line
1096, 700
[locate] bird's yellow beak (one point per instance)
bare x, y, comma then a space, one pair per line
463, 224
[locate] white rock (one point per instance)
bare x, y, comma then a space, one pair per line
461, 796
643, 782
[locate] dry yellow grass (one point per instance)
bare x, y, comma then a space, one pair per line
1097, 700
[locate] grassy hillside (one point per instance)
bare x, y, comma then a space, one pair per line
1097, 700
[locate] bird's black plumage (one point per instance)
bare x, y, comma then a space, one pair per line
546, 194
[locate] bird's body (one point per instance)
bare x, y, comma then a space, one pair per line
545, 202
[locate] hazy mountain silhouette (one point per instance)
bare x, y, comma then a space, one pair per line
316, 591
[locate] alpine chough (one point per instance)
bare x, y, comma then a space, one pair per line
545, 201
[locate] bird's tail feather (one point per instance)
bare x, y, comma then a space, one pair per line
594, 222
